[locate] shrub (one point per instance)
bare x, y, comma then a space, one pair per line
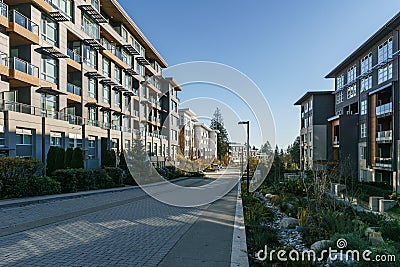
68, 157
60, 159
51, 160
391, 230
36, 186
108, 158
77, 159
12, 170
116, 174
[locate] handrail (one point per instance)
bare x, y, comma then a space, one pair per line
74, 89
24, 66
74, 56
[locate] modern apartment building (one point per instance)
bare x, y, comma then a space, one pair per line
237, 153
205, 141
363, 132
79, 74
187, 120
315, 132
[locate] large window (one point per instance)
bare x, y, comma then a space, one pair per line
385, 73
24, 143
351, 74
106, 67
106, 94
92, 141
340, 82
92, 113
363, 110
117, 74
56, 139
117, 99
49, 30
352, 91
366, 83
385, 51
96, 4
339, 97
127, 103
49, 105
65, 6
106, 117
2, 139
90, 56
363, 153
90, 27
92, 92
366, 64
49, 69
128, 81
75, 140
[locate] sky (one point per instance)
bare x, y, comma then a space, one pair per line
285, 47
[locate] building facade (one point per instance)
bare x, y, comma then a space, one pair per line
187, 120
78, 74
315, 132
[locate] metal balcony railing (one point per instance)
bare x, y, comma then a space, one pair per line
24, 22
385, 109
74, 89
75, 57
23, 66
384, 135
383, 162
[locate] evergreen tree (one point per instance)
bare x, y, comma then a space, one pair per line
217, 123
68, 157
294, 151
77, 159
51, 160
60, 159
140, 162
109, 158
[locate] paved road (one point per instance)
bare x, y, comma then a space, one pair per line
125, 228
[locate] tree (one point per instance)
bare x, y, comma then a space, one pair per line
60, 159
108, 159
68, 157
140, 165
77, 159
51, 160
217, 123
294, 151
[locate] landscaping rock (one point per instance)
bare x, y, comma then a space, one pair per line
376, 238
339, 259
319, 245
288, 223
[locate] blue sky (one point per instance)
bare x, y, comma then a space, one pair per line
285, 47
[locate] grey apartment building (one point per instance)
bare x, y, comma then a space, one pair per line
80, 74
364, 128
315, 133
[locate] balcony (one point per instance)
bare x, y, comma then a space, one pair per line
3, 15
74, 60
384, 163
74, 93
384, 136
4, 64
113, 53
22, 30
23, 73
384, 110
42, 4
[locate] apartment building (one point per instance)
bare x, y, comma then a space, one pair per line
187, 120
205, 141
237, 153
315, 132
78, 74
366, 120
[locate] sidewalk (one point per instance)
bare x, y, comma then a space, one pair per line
210, 241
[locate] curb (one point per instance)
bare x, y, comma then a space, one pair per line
8, 203
239, 245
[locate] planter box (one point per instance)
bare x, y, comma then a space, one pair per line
373, 203
385, 205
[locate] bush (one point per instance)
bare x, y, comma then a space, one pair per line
116, 174
36, 186
68, 157
108, 159
13, 170
391, 230
51, 160
77, 159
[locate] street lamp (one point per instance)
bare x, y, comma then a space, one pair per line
248, 152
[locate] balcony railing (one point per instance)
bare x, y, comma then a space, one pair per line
23, 66
155, 101
383, 162
3, 10
385, 109
75, 57
24, 22
3, 59
384, 136
74, 89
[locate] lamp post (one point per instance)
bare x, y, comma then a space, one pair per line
248, 153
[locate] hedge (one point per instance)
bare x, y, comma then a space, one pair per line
34, 186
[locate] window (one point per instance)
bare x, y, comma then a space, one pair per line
2, 139
363, 110
339, 97
96, 4
363, 153
90, 27
144, 92
310, 105
90, 56
50, 69
144, 110
351, 74
49, 30
128, 81
106, 94
92, 91
127, 144
56, 139
24, 142
385, 73
149, 148
366, 83
117, 99
117, 74
92, 114
155, 148
65, 6
127, 123
124, 34
340, 82
106, 117
75, 140
127, 103
363, 130
366, 64
352, 91
363, 175
385, 51
174, 135
92, 141
106, 67
49, 105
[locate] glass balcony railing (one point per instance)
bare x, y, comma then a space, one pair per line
3, 10
24, 22
74, 89
385, 109
75, 57
23, 66
3, 59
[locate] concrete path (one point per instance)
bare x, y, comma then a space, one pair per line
117, 228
